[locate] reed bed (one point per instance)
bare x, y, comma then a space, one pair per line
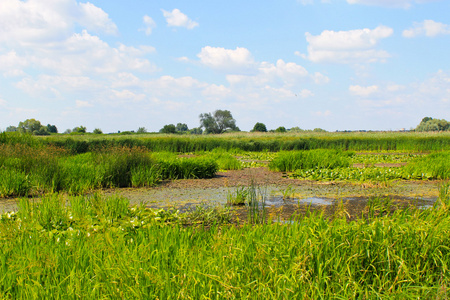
26, 170
98, 247
356, 141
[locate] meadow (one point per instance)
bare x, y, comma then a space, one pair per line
69, 240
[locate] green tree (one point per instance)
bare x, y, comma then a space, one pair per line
218, 122
181, 127
170, 128
259, 127
141, 130
52, 128
196, 130
97, 131
29, 126
430, 124
11, 129
42, 131
79, 129
280, 129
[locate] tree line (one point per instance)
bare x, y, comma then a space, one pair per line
216, 122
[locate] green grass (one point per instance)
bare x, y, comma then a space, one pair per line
288, 161
255, 142
98, 247
26, 170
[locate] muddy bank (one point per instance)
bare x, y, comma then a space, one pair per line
185, 194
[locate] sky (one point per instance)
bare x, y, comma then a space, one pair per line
120, 65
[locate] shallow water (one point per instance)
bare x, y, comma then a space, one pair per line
301, 197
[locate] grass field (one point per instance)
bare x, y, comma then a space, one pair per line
77, 243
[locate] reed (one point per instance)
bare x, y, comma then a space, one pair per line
99, 247
288, 161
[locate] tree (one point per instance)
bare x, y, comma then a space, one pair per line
79, 129
218, 122
11, 129
280, 129
29, 126
196, 130
42, 131
168, 129
97, 131
181, 127
430, 124
141, 130
52, 128
319, 130
259, 127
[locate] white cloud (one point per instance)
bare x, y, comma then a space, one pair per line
12, 65
389, 3
428, 28
149, 25
95, 19
34, 22
238, 60
81, 104
176, 18
127, 95
326, 113
354, 46
363, 91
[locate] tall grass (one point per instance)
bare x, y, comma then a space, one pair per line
433, 166
87, 250
288, 161
28, 170
356, 141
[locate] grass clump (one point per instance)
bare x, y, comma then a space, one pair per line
318, 159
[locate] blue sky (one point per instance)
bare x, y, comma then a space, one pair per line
121, 65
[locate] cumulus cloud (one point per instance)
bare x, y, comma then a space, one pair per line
95, 19
353, 46
32, 22
427, 28
389, 3
218, 58
149, 25
176, 18
363, 91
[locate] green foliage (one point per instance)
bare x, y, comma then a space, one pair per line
430, 124
259, 127
29, 126
196, 130
52, 128
281, 129
168, 129
301, 160
97, 131
225, 160
11, 129
26, 171
141, 130
78, 130
218, 122
101, 248
181, 127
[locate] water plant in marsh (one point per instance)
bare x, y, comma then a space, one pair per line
133, 252
29, 171
288, 161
